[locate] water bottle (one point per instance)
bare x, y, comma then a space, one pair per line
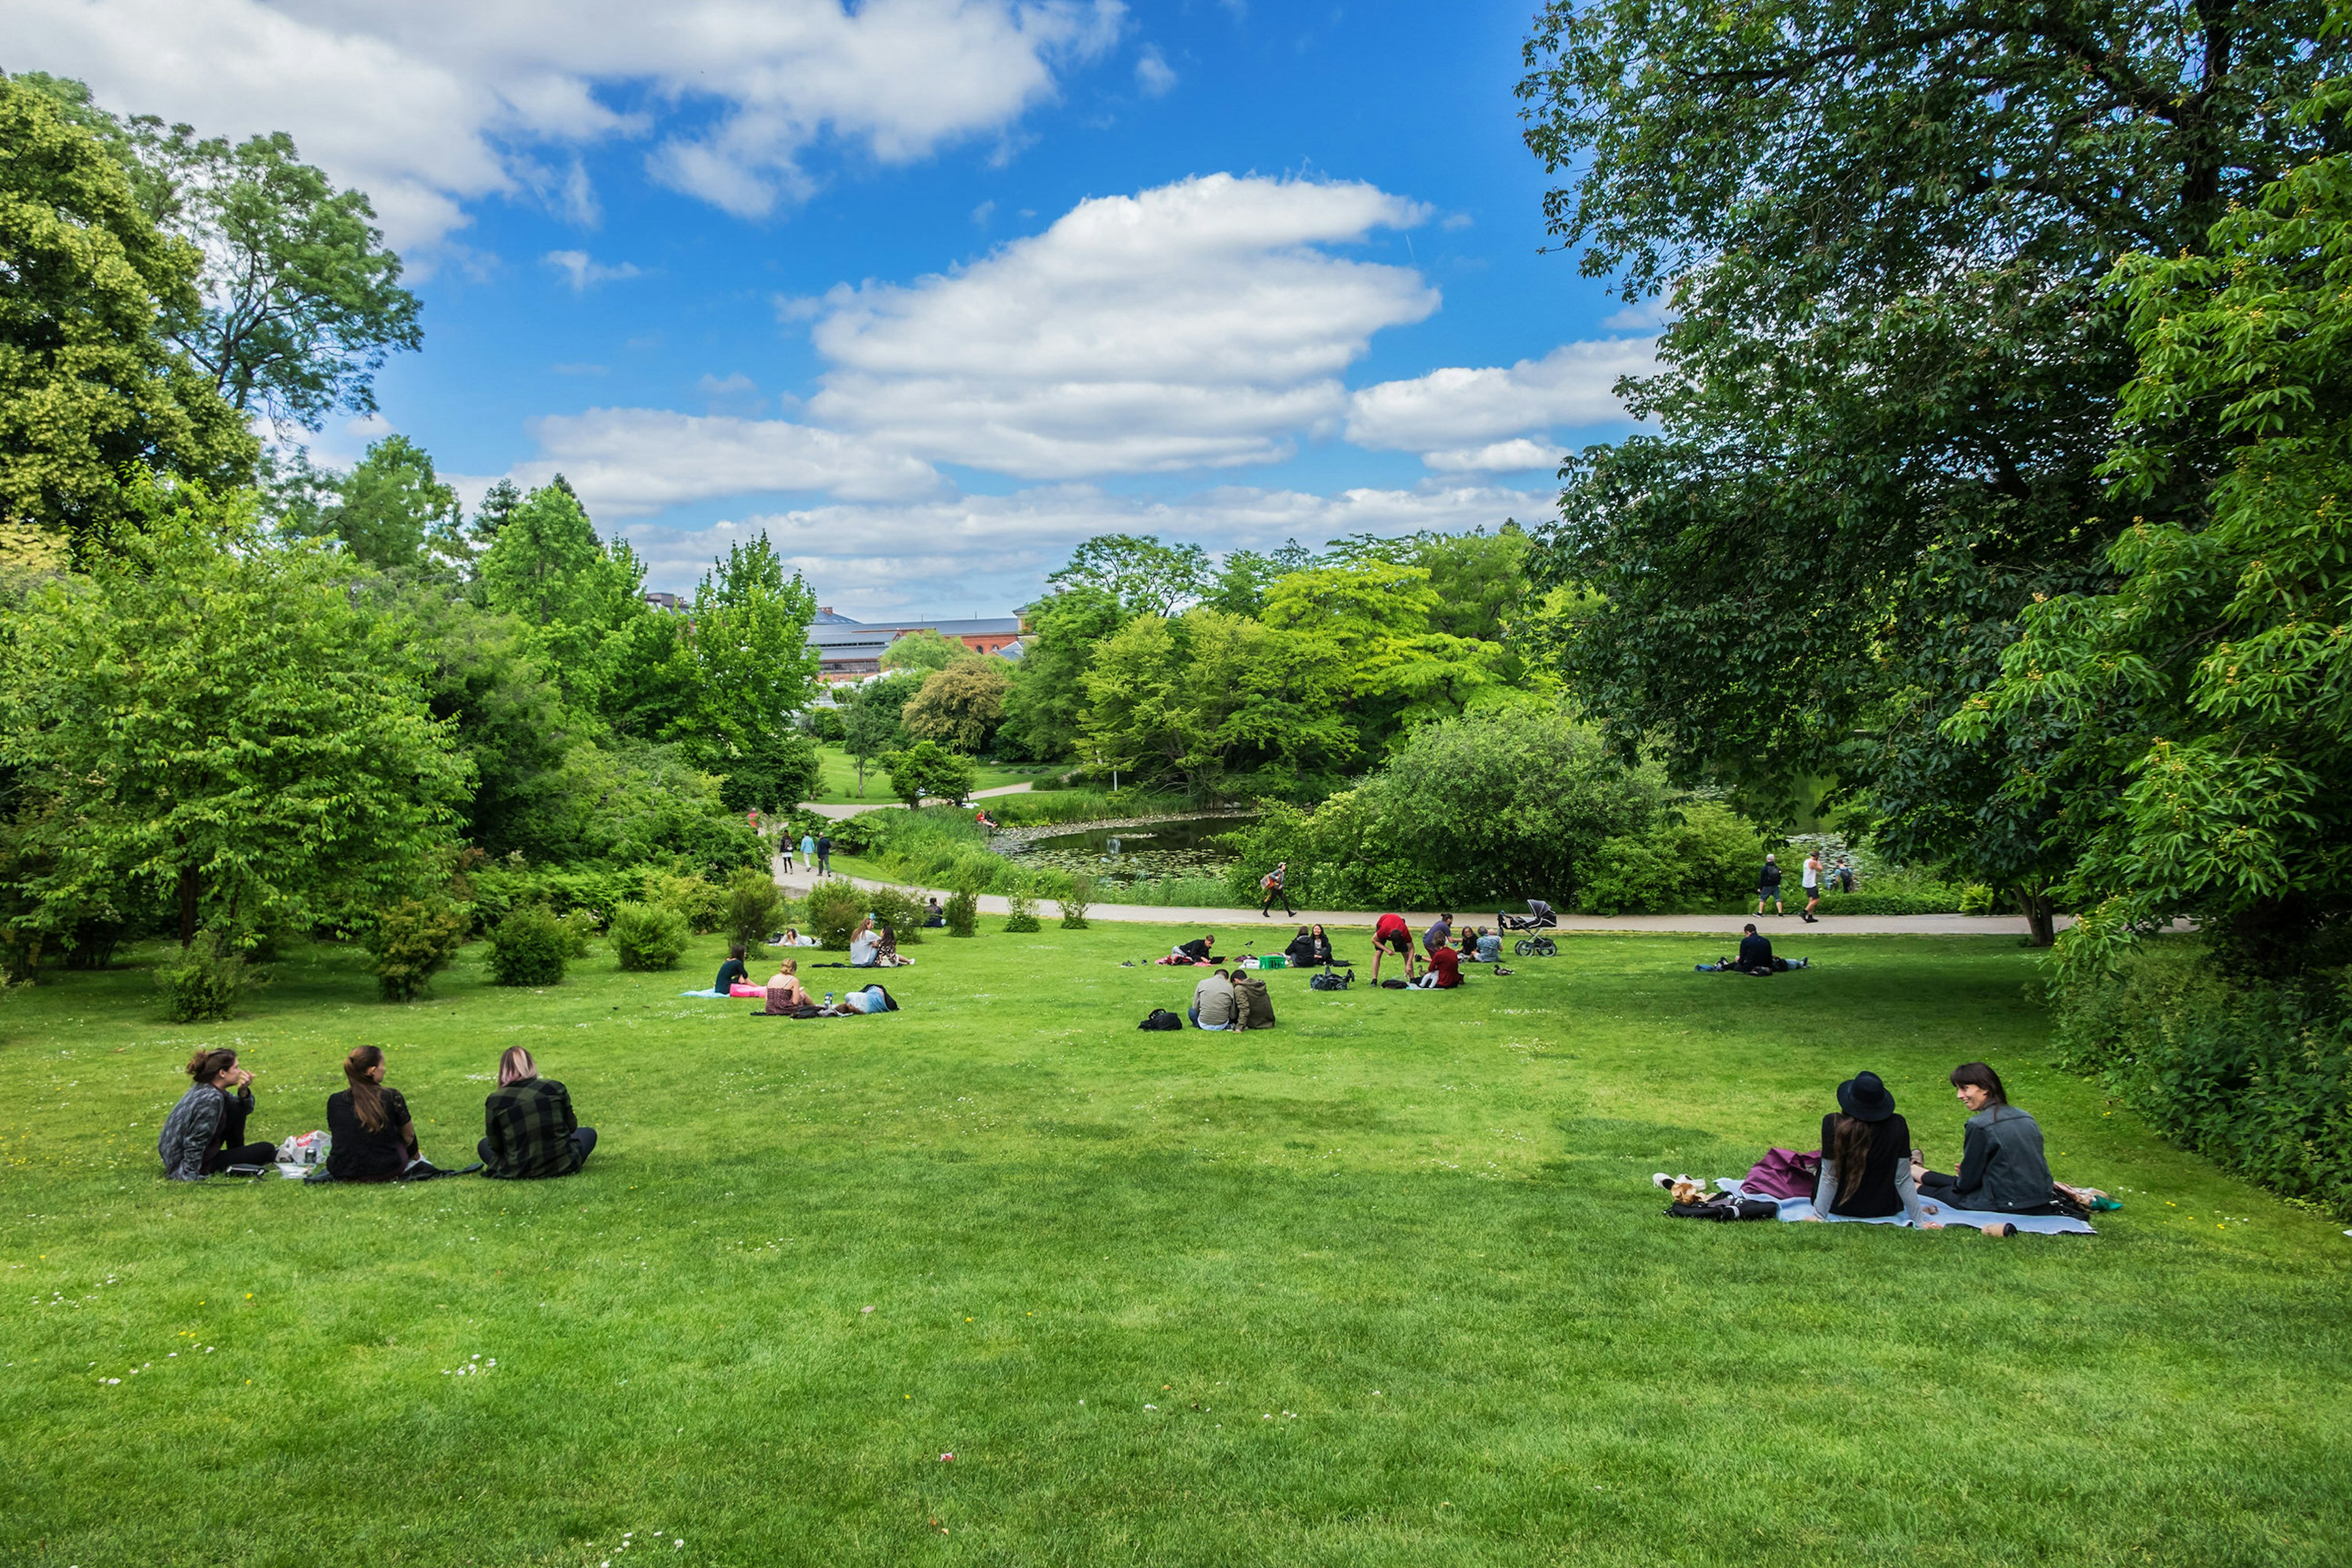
828, 998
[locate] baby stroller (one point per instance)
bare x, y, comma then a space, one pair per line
1539, 917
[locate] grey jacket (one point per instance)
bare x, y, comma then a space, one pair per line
2002, 1166
193, 1129
1214, 998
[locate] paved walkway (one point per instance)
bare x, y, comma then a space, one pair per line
838, 812
797, 886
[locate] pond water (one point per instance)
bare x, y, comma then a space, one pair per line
1139, 852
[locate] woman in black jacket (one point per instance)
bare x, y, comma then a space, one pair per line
1867, 1158
206, 1130
373, 1137
2003, 1169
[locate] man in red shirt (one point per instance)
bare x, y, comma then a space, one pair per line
1445, 963
1391, 935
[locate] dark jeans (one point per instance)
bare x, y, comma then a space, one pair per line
240, 1154
582, 1139
1267, 902
1938, 1186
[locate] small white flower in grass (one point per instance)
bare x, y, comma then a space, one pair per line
864, 1308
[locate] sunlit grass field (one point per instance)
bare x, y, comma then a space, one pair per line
839, 785
1384, 1285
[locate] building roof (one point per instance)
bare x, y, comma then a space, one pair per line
857, 634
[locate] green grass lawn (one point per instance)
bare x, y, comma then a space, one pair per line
1384, 1285
839, 785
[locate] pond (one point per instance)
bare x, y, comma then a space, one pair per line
1116, 854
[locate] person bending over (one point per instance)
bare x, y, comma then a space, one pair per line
374, 1139
206, 1130
528, 1128
1866, 1158
2002, 1166
733, 972
1213, 1001
1437, 935
1390, 934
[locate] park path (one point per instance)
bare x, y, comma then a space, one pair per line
797, 886
836, 812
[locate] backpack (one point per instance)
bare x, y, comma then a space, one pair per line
1161, 1018
1326, 981
1726, 1207
1392, 985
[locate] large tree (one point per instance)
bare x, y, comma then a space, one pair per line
92, 392
961, 705
209, 720
1059, 637
575, 593
1145, 577
1882, 233
756, 670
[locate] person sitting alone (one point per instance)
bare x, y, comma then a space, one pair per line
372, 1137
1253, 1004
1755, 958
2003, 1167
785, 991
204, 1133
933, 915
527, 1127
732, 973
1197, 950
1213, 1001
1867, 1158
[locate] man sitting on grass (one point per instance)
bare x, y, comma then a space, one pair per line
1755, 958
1213, 1001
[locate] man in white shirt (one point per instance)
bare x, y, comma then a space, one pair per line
1812, 886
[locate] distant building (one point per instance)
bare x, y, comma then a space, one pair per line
665, 601
852, 650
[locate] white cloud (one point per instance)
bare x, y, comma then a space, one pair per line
1153, 74
586, 270
1197, 324
955, 554
428, 104
1463, 419
1494, 457
735, 393
628, 462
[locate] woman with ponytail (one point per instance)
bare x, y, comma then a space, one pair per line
206, 1132
375, 1140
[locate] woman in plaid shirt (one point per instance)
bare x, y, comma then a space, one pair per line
529, 1130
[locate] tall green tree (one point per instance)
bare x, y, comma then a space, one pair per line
93, 392
1060, 635
210, 720
392, 505
2205, 701
870, 720
1884, 235
1143, 575
574, 593
961, 705
922, 651
756, 670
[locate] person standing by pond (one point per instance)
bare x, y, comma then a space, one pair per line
1272, 886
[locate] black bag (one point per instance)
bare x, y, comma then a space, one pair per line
1392, 985
1725, 1207
1326, 981
1161, 1018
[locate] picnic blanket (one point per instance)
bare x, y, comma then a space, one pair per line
1942, 1212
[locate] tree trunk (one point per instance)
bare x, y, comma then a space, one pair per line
187, 906
2041, 919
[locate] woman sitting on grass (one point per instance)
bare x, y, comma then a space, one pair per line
785, 991
1867, 1158
864, 944
886, 950
206, 1130
1311, 948
733, 972
2003, 1169
528, 1128
374, 1138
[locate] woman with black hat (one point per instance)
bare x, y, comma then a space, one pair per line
1867, 1158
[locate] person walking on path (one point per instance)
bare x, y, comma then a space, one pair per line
1768, 886
824, 854
1271, 885
1812, 879
808, 851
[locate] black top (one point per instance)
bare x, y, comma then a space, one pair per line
1309, 950
1755, 951
1770, 875
1875, 1196
359, 1155
730, 973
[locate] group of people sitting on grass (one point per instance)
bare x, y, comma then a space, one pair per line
1442, 968
527, 1126
1233, 999
785, 996
1870, 1170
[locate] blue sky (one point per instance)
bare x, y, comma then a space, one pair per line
929, 291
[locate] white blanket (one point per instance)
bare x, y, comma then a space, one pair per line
1936, 1210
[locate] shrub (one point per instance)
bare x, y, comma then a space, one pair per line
835, 908
1976, 899
964, 912
753, 909
928, 768
2254, 1076
578, 927
1020, 907
528, 948
648, 936
203, 984
412, 941
824, 723
902, 912
697, 901
1075, 903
